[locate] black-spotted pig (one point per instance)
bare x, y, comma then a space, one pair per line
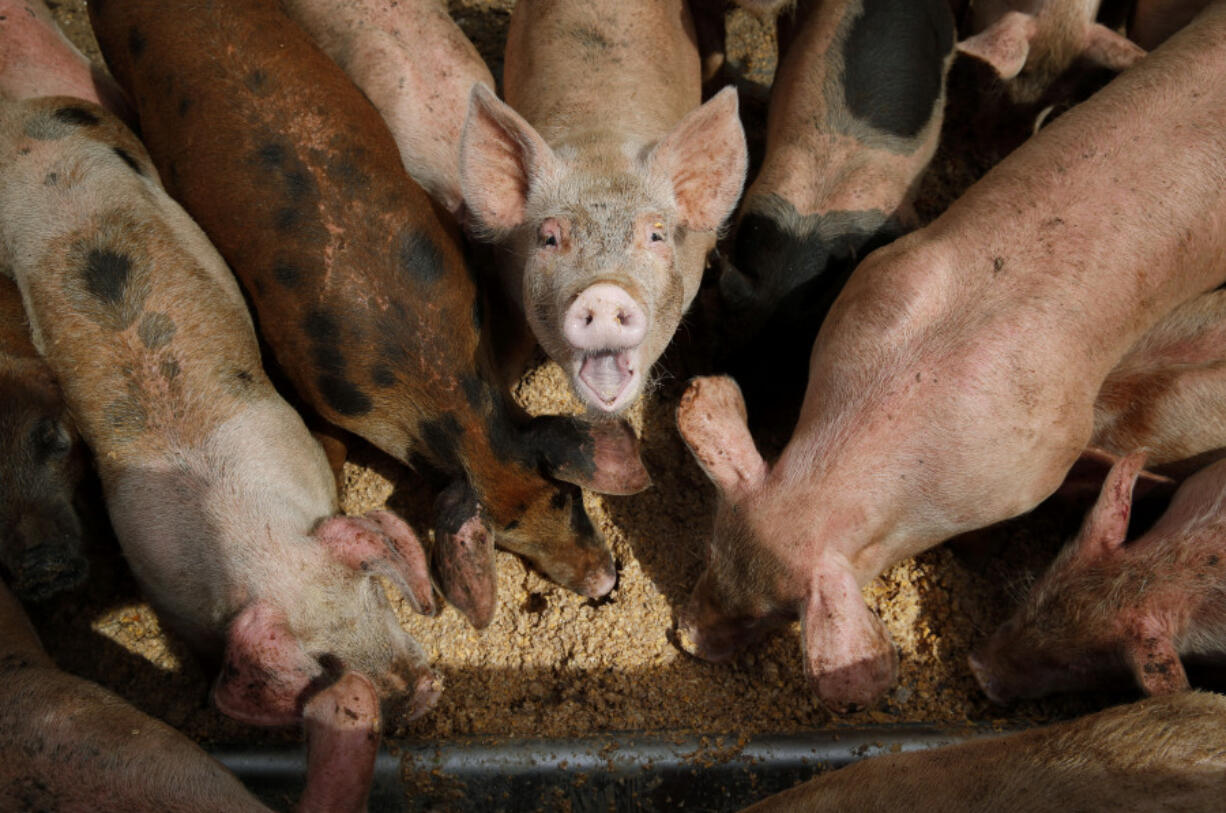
1105, 608
222, 502
603, 181
854, 118
41, 463
1030, 43
1155, 756
416, 66
68, 744
953, 384
359, 283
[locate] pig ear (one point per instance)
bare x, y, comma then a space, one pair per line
714, 425
381, 541
464, 554
1106, 525
1004, 44
1151, 654
501, 158
705, 158
265, 670
1109, 49
601, 456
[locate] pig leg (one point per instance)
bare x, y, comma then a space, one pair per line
383, 542
849, 657
464, 554
1151, 655
342, 732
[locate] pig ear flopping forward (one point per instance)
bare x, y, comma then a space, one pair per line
713, 423
1106, 525
601, 456
501, 158
705, 159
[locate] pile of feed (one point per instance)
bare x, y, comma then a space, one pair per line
555, 664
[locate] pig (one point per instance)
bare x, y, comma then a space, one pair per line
69, 744
36, 59
1160, 754
604, 183
223, 504
41, 466
1153, 21
850, 129
1104, 608
417, 67
1030, 43
952, 386
1166, 393
360, 284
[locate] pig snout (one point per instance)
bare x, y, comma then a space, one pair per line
606, 325
987, 680
705, 630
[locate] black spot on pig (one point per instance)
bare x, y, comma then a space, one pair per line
77, 116
287, 274
343, 170
455, 506
239, 382
127, 158
51, 179
271, 155
512, 525
476, 392
136, 42
169, 369
185, 104
418, 258
893, 63
441, 437
106, 275
125, 417
155, 330
286, 218
331, 378
579, 521
383, 376
558, 501
257, 81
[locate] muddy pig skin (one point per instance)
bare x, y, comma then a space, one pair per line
67, 744
416, 66
855, 114
1105, 608
604, 185
1030, 43
1167, 394
359, 283
1161, 754
952, 385
41, 463
219, 496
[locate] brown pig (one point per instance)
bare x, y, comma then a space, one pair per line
1166, 395
953, 384
41, 463
1105, 608
1030, 43
68, 744
416, 66
359, 282
221, 500
1161, 754
854, 119
604, 181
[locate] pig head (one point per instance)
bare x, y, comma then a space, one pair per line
606, 248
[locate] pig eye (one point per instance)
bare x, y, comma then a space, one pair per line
551, 234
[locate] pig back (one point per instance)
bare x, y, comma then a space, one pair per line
358, 286
575, 67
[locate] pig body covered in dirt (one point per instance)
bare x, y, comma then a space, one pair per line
1105, 608
68, 744
855, 115
416, 66
603, 181
953, 384
1031, 43
219, 496
359, 283
1157, 755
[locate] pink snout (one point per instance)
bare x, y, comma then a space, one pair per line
604, 317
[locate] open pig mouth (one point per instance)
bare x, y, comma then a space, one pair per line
607, 375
